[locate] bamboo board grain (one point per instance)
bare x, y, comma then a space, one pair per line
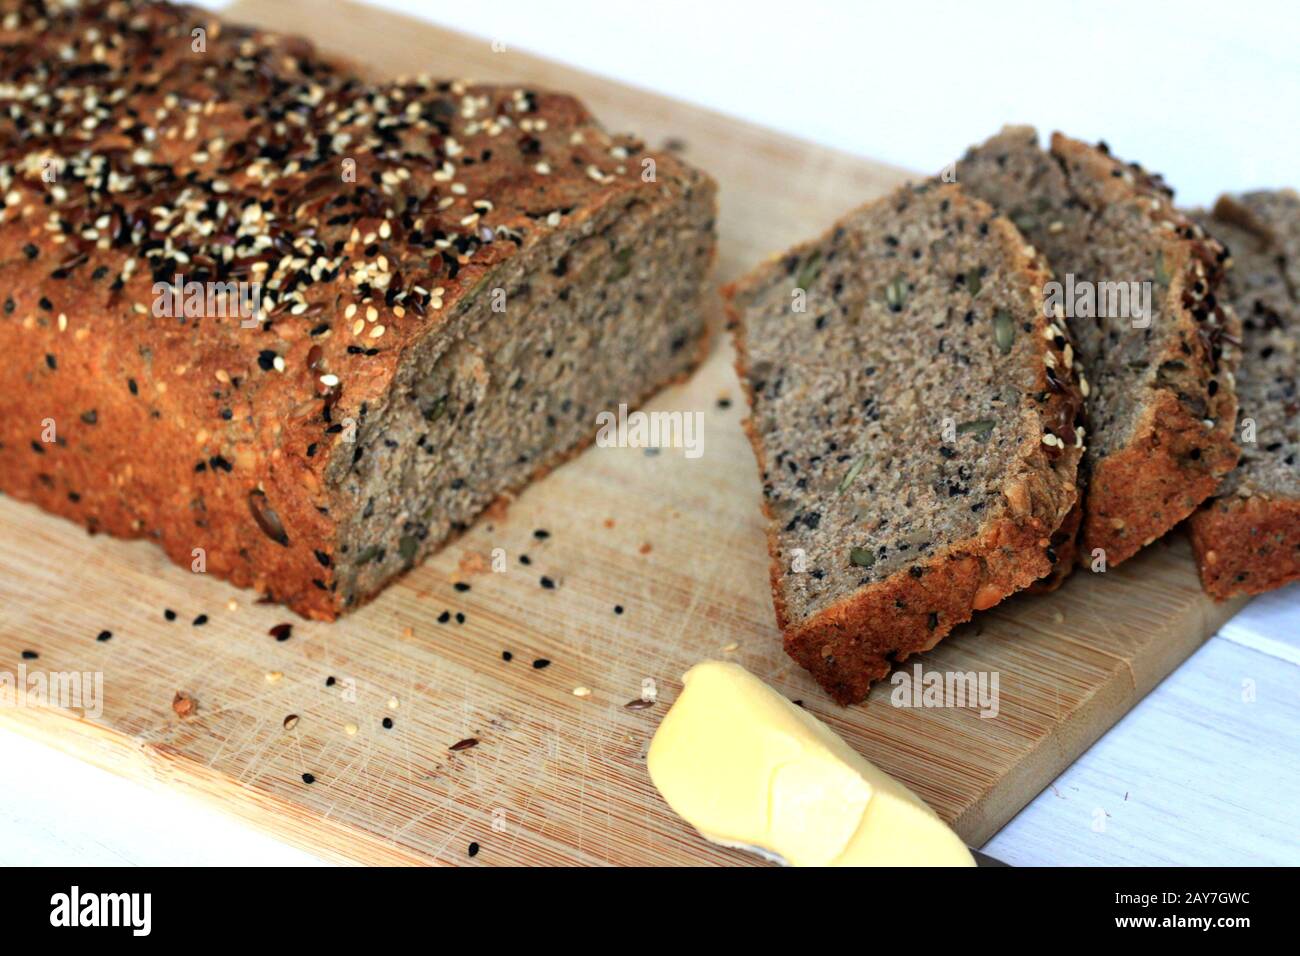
556, 777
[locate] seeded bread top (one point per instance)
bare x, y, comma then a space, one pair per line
1261, 231
1105, 221
365, 212
906, 405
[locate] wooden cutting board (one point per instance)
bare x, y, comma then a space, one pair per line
557, 776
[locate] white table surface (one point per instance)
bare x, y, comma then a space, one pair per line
1206, 769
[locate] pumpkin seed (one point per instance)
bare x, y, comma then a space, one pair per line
434, 412
368, 555
896, 293
810, 271
862, 557
624, 257
852, 473
979, 428
1004, 330
973, 281
407, 547
1162, 276
1024, 221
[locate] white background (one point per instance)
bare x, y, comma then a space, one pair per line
1206, 93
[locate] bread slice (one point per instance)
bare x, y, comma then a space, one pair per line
1161, 401
916, 426
1247, 539
456, 280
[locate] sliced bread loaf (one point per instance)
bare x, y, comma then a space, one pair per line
454, 280
1138, 284
1247, 539
916, 426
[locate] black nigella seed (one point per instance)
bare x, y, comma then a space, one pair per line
330, 682
30, 655
473, 849
541, 534
460, 617
507, 656
200, 620
308, 778
618, 609
547, 583
282, 632
388, 723
169, 614
541, 663
105, 636
52, 362
461, 586
444, 617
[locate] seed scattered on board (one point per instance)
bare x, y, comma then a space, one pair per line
273, 677
281, 632
473, 849
105, 636
540, 663
465, 744
291, 722
639, 704
308, 778
582, 692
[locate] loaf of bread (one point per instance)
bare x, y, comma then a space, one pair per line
299, 327
916, 424
1247, 539
1157, 375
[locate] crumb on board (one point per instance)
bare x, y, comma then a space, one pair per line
184, 705
472, 563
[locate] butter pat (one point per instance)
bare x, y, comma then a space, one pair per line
749, 769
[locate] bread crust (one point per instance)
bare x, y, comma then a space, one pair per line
1246, 545
854, 642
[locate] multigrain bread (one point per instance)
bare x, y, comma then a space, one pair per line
1158, 382
454, 281
916, 425
1247, 538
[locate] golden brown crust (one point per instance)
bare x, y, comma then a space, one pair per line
854, 642
1246, 545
